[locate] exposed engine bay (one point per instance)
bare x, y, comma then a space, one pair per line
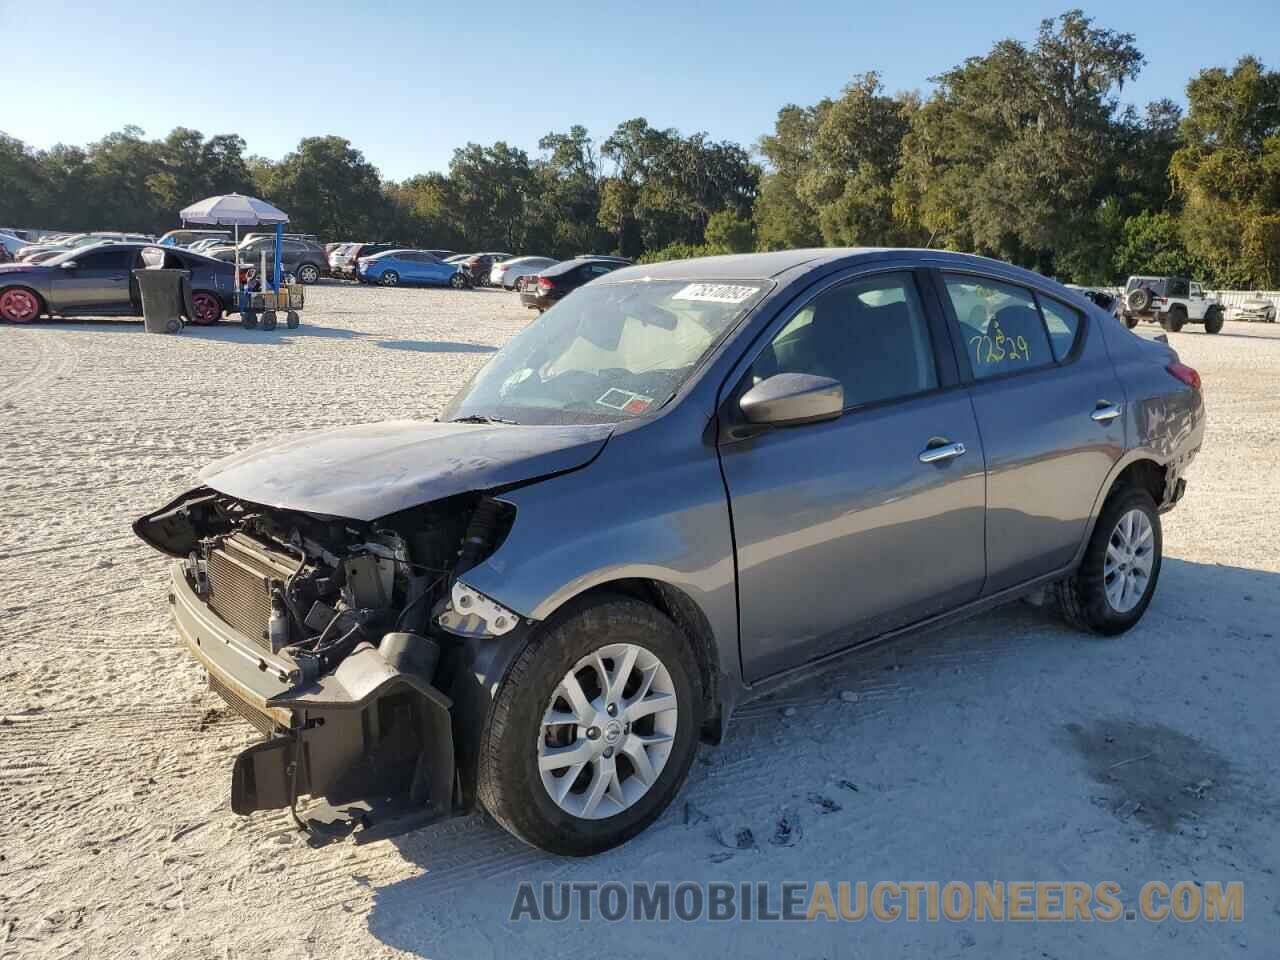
339, 638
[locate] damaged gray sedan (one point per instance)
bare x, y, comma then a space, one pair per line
684, 485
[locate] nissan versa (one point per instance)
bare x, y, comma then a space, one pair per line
680, 487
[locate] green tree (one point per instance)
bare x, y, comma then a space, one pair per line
1008, 156
729, 233
327, 187
1228, 173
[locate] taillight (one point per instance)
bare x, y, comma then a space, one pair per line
1160, 301
1187, 375
545, 284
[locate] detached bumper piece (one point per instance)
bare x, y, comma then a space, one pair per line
374, 734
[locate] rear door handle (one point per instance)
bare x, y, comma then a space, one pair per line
944, 451
1106, 411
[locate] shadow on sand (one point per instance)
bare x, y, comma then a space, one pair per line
896, 708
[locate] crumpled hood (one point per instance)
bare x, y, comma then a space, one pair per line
370, 470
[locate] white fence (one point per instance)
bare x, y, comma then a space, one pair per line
1233, 298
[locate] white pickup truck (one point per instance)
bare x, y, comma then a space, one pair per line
1170, 302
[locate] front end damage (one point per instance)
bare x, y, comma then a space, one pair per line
344, 642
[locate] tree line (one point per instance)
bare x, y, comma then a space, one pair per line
1025, 153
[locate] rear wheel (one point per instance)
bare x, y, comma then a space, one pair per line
268, 320
308, 273
593, 730
1213, 320
19, 305
1110, 591
1174, 319
207, 307
390, 278
1130, 320
248, 319
291, 319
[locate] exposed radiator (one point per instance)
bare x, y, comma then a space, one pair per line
240, 573
262, 721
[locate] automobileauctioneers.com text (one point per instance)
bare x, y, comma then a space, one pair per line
886, 901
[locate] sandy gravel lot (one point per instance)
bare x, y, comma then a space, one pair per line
986, 751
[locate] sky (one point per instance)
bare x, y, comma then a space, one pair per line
407, 82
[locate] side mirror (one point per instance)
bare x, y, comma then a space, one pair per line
788, 398
69, 265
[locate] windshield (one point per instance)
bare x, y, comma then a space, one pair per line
606, 353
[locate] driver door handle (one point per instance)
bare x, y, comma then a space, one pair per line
944, 451
1105, 411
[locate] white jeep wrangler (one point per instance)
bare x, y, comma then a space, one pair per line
1170, 302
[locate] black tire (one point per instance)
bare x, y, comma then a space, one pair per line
1082, 597
268, 320
1130, 321
1213, 320
509, 783
1174, 319
458, 281
390, 279
248, 320
1138, 299
308, 273
291, 319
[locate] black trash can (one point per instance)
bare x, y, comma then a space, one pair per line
166, 299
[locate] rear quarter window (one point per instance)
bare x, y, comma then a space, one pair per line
1063, 325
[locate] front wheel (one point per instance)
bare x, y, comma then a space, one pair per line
458, 281
1110, 591
593, 730
269, 320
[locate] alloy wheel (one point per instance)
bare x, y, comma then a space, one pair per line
19, 306
390, 278
1126, 570
207, 308
608, 731
308, 274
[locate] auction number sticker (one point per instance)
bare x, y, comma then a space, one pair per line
716, 292
627, 401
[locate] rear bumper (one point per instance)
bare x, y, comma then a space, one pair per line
367, 729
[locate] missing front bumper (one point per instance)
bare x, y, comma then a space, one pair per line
375, 727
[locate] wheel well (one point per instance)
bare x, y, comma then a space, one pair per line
686, 615
1144, 475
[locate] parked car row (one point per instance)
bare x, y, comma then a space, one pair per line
49, 248
97, 280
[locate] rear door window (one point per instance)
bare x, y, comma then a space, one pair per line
1001, 326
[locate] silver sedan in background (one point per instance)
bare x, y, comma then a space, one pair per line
508, 272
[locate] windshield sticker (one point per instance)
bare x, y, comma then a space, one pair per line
715, 292
625, 400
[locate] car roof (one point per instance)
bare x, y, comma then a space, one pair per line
766, 266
